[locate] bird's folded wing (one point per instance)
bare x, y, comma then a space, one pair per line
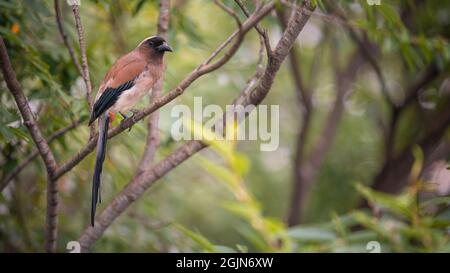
120, 78
108, 98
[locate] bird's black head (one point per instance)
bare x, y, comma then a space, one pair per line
158, 44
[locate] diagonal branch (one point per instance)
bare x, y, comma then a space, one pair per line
42, 145
202, 69
141, 183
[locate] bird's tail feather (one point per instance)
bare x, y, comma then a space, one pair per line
100, 158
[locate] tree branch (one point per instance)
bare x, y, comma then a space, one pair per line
141, 183
261, 32
230, 12
84, 64
391, 176
42, 145
65, 38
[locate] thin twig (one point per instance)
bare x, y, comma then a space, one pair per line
262, 32
84, 64
229, 11
247, 13
42, 145
66, 39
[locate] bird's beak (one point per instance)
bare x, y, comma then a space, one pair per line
164, 47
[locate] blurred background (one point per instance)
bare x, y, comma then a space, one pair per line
364, 143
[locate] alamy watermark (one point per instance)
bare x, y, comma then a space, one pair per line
262, 123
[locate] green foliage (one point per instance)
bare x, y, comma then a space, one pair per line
397, 223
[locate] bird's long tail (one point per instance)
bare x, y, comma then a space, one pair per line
103, 124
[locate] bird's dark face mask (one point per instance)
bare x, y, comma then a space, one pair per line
159, 44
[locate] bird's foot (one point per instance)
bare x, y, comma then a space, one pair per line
123, 115
134, 112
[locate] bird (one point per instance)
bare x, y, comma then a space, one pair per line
129, 79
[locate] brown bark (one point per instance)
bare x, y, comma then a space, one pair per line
41, 144
65, 39
84, 64
394, 175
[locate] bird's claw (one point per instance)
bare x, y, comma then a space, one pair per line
134, 112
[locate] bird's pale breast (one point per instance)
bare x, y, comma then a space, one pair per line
143, 85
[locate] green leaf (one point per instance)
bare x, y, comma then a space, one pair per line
242, 248
363, 236
274, 225
391, 15
6, 132
241, 209
197, 237
224, 249
311, 234
399, 204
138, 7
442, 200
240, 163
255, 238
222, 173
21, 133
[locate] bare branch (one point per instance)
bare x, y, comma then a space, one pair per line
411, 92
230, 12
392, 176
247, 13
141, 183
22, 165
84, 64
262, 32
171, 95
65, 38
303, 92
42, 145
153, 130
